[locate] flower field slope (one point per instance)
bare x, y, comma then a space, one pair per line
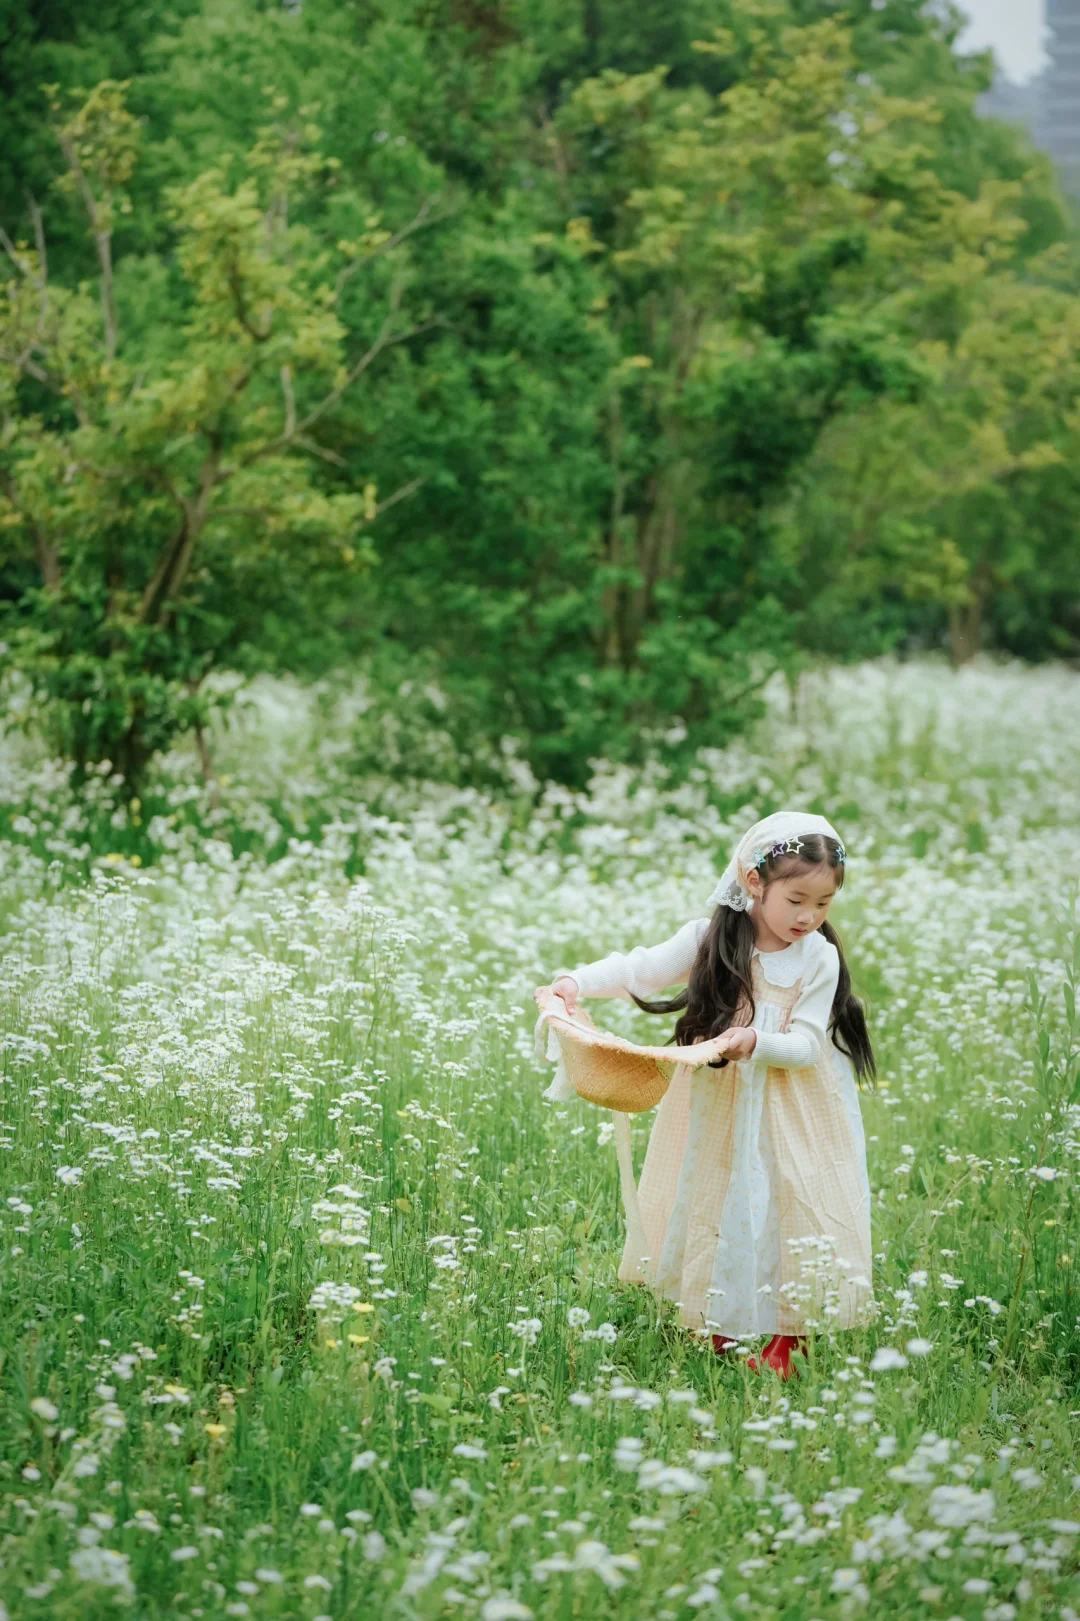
310, 1305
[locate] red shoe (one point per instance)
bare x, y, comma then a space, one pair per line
776, 1356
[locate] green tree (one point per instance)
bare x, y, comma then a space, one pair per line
763, 250
958, 514
700, 270
66, 43
161, 507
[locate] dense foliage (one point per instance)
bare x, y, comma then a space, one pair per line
569, 365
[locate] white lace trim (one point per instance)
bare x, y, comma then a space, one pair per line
783, 968
730, 892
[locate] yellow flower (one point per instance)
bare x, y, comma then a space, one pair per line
214, 1430
359, 1339
363, 1305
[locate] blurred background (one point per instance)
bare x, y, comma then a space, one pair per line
554, 373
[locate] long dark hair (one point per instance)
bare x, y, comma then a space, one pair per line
720, 990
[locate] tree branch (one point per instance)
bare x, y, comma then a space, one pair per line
45, 552
102, 241
383, 341
322, 451
204, 752
172, 568
39, 235
399, 495
25, 361
22, 265
290, 401
159, 580
43, 260
240, 309
415, 224
272, 446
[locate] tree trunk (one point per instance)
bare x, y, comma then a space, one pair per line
966, 619
593, 33
206, 766
614, 539
48, 561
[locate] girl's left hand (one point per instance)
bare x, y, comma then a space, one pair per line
741, 1041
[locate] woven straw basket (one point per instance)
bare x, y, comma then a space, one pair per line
609, 1070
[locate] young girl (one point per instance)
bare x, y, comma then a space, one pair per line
754, 1196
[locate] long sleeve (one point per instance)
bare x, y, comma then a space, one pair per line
804, 1041
646, 970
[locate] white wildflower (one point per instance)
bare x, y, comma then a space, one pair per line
959, 1505
607, 1333
332, 1302
105, 1568
849, 1580
502, 1608
670, 1480
887, 1357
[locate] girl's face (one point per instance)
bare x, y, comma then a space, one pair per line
792, 907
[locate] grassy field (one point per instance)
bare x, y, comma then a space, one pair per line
309, 1305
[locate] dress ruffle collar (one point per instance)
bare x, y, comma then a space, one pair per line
785, 967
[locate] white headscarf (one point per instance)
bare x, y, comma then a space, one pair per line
781, 826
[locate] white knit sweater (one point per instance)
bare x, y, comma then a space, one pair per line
646, 971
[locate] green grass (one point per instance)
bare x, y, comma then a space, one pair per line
325, 987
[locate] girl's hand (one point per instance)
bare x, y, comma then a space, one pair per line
567, 988
741, 1041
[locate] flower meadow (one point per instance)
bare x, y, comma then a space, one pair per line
309, 1298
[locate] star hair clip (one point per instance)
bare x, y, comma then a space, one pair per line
782, 847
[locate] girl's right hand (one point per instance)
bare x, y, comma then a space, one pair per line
566, 987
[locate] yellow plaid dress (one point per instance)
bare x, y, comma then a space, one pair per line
754, 1198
